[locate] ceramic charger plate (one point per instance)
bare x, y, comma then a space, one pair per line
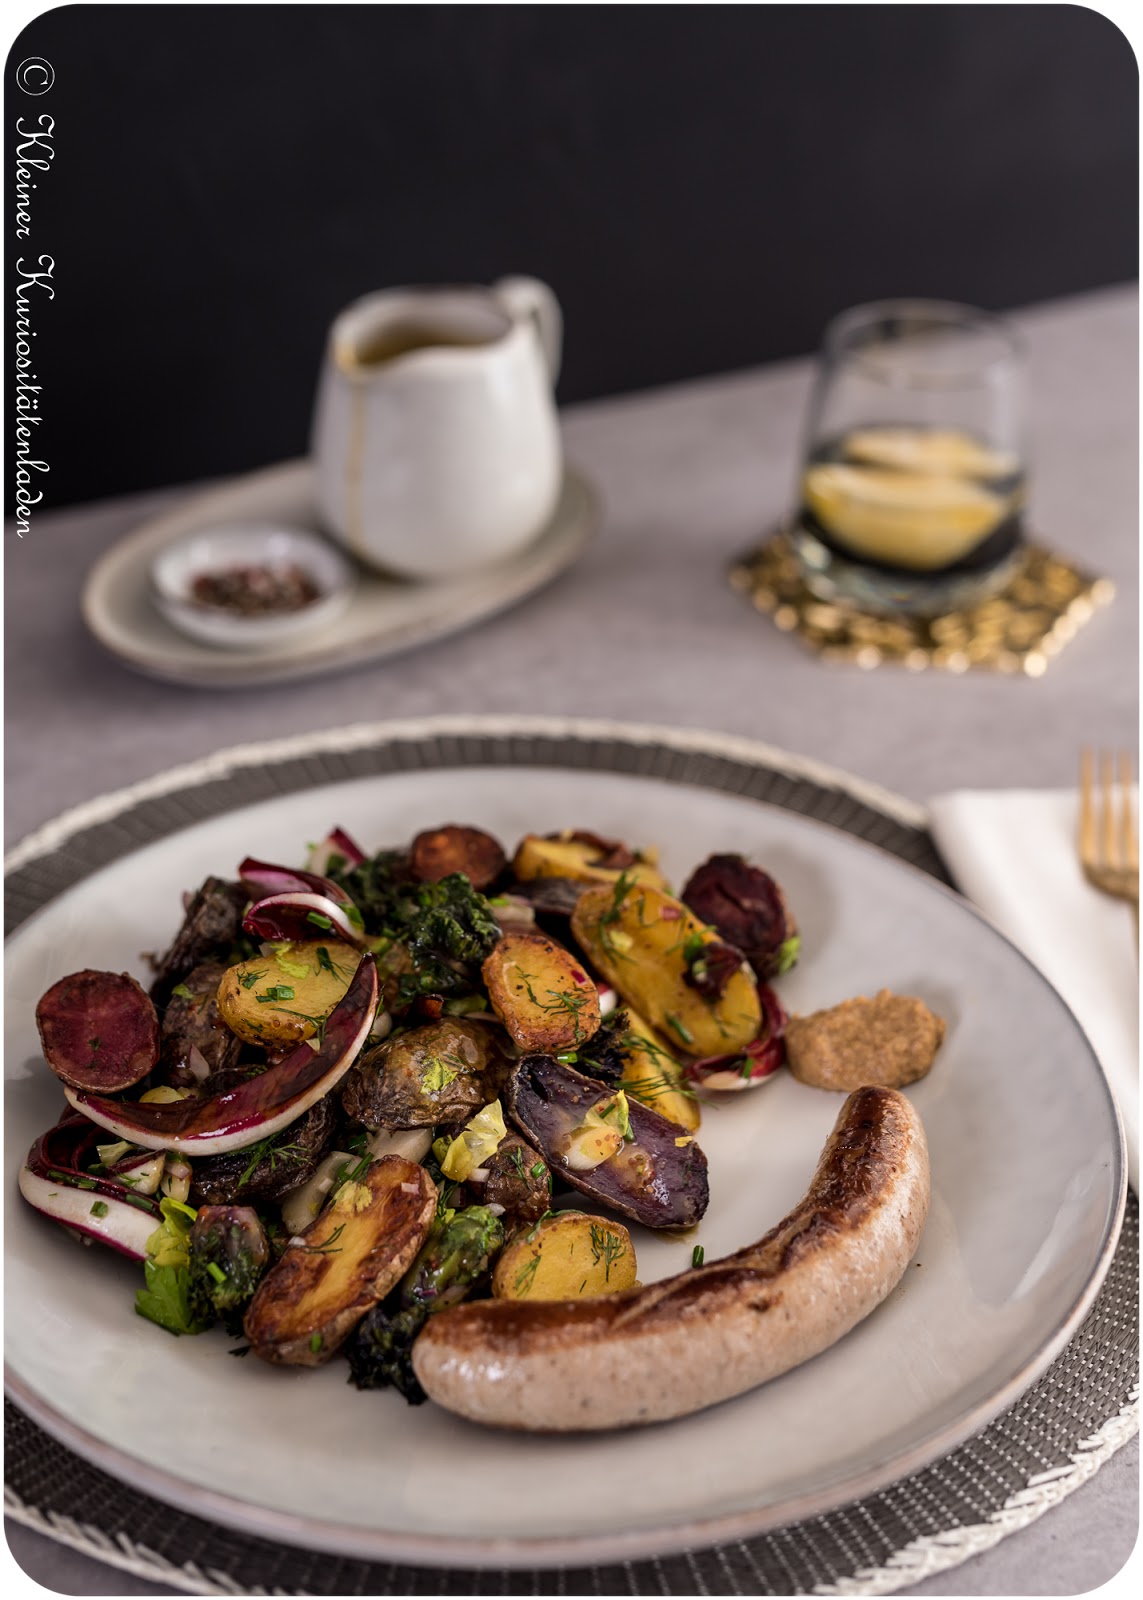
383, 616
1028, 1190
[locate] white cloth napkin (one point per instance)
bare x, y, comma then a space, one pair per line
1014, 854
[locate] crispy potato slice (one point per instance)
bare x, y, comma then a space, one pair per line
578, 858
566, 1257
362, 1243
654, 1076
282, 998
541, 992
640, 940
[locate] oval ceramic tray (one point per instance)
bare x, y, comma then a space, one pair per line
1028, 1184
384, 615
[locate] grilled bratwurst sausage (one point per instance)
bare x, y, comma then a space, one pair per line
710, 1333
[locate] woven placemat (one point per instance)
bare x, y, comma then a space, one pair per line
1045, 1446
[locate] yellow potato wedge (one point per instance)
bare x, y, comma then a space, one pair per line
579, 859
639, 939
541, 993
566, 1257
283, 998
360, 1246
653, 1075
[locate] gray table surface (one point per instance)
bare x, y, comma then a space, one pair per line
646, 628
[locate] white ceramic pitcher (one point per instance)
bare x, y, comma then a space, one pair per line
435, 440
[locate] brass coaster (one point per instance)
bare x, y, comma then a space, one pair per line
1020, 629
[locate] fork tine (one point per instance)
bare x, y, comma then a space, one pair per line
1128, 825
1088, 848
1109, 844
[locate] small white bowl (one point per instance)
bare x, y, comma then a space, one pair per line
174, 570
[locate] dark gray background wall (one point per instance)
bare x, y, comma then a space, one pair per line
704, 186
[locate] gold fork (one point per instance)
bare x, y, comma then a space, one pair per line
1109, 830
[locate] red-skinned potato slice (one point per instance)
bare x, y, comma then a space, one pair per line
439, 852
257, 1108
99, 1030
301, 914
264, 878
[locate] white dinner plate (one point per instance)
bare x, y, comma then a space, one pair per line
383, 616
1028, 1189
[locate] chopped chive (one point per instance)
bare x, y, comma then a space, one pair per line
538, 1170
216, 1272
315, 1342
183, 992
697, 1256
318, 920
251, 978
276, 991
100, 1208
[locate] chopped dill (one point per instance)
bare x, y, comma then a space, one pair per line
606, 1247
527, 1276
328, 1247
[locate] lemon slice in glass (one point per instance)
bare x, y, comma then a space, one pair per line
943, 451
907, 519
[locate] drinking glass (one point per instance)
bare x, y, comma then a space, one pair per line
912, 486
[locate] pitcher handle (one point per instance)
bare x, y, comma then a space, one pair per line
527, 299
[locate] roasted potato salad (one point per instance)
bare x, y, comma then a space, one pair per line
656, 954
329, 1140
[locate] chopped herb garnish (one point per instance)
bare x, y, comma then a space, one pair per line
324, 959
319, 921
527, 1275
538, 1170
216, 1272
276, 991
680, 1028
328, 1247
518, 1162
315, 1342
100, 1208
266, 1150
606, 1247
698, 1255
183, 992
251, 978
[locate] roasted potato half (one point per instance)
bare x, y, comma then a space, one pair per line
284, 997
582, 857
644, 943
566, 1257
541, 992
440, 1073
438, 852
360, 1246
653, 1076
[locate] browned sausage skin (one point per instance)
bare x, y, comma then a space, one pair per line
698, 1338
